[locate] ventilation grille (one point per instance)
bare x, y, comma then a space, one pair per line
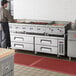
61, 48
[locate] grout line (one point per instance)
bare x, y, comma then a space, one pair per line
36, 62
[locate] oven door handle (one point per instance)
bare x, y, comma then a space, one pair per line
45, 41
46, 48
21, 45
19, 38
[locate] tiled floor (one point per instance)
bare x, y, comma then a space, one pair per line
20, 70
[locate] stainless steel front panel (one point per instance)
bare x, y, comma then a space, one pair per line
23, 46
46, 41
46, 49
22, 38
72, 48
71, 43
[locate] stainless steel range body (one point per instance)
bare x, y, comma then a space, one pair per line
71, 44
40, 37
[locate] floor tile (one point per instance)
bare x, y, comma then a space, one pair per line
20, 70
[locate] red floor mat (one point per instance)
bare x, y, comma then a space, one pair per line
25, 59
58, 65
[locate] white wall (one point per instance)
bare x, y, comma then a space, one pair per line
64, 10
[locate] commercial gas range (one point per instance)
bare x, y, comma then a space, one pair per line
49, 35
52, 28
